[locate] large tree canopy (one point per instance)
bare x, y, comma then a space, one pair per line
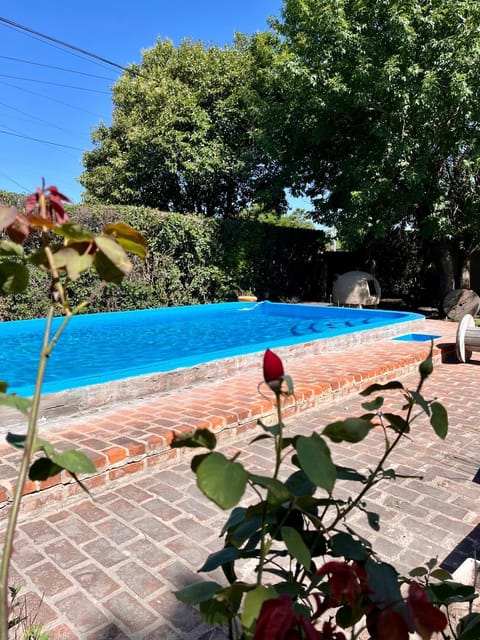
183, 135
377, 115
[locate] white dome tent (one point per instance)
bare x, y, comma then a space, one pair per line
356, 289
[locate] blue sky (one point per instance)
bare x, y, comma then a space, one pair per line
61, 107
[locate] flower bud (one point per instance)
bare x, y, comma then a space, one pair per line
272, 369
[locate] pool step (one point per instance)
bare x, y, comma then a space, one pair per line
136, 435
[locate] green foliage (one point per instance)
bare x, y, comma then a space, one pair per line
42, 239
289, 525
191, 260
21, 621
183, 134
377, 116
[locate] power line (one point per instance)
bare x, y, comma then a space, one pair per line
56, 84
62, 43
14, 181
47, 97
49, 66
53, 144
37, 118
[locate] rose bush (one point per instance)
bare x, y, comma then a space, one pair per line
315, 578
63, 250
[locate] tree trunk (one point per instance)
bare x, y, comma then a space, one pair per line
444, 263
462, 276
453, 268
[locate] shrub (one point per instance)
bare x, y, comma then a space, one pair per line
315, 578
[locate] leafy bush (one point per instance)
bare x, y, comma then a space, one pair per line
191, 260
314, 577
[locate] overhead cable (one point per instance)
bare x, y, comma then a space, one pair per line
50, 66
47, 97
84, 52
56, 84
53, 144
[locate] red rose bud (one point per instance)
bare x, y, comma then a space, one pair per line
272, 369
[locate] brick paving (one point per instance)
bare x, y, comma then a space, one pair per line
106, 569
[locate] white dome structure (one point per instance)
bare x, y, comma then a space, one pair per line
356, 289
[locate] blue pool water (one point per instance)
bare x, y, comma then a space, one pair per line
97, 348
416, 337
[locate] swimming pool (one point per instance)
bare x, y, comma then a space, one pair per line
100, 348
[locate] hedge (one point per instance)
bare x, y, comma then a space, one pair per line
193, 260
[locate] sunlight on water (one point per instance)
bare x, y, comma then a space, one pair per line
109, 346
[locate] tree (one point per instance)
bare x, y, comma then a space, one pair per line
183, 135
377, 120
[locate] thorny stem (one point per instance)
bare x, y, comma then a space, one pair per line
278, 460
28, 452
373, 476
279, 438
29, 446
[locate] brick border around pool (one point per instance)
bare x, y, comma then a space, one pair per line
84, 399
135, 435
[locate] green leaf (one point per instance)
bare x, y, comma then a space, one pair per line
277, 491
219, 558
115, 253
448, 592
16, 402
75, 263
374, 405
196, 460
236, 516
198, 592
43, 468
106, 269
315, 542
130, 239
244, 530
73, 461
439, 419
418, 572
16, 440
253, 603
299, 484
274, 429
441, 574
343, 544
345, 473
397, 423
296, 546
9, 248
426, 367
14, 278
74, 232
221, 480
373, 388
383, 580
315, 459
420, 400
200, 438
349, 430
469, 627
215, 612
